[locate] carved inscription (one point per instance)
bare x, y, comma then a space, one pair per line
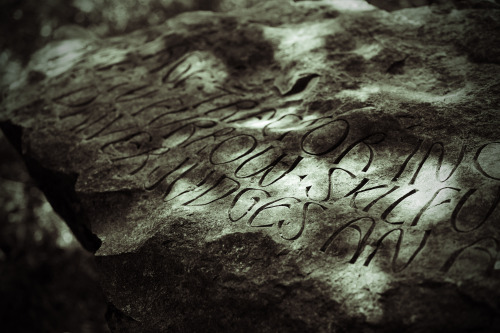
198, 141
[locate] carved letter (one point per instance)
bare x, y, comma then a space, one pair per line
439, 163
219, 185
461, 203
362, 239
330, 174
478, 165
266, 168
379, 137
305, 209
394, 205
427, 233
237, 198
370, 205
227, 156
269, 205
428, 204
405, 163
328, 138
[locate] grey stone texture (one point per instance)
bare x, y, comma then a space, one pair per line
312, 166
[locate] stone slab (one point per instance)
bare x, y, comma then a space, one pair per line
302, 166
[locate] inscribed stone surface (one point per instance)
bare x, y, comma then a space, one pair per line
309, 166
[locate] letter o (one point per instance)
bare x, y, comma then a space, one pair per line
225, 152
330, 137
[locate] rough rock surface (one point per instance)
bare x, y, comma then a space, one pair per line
301, 166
